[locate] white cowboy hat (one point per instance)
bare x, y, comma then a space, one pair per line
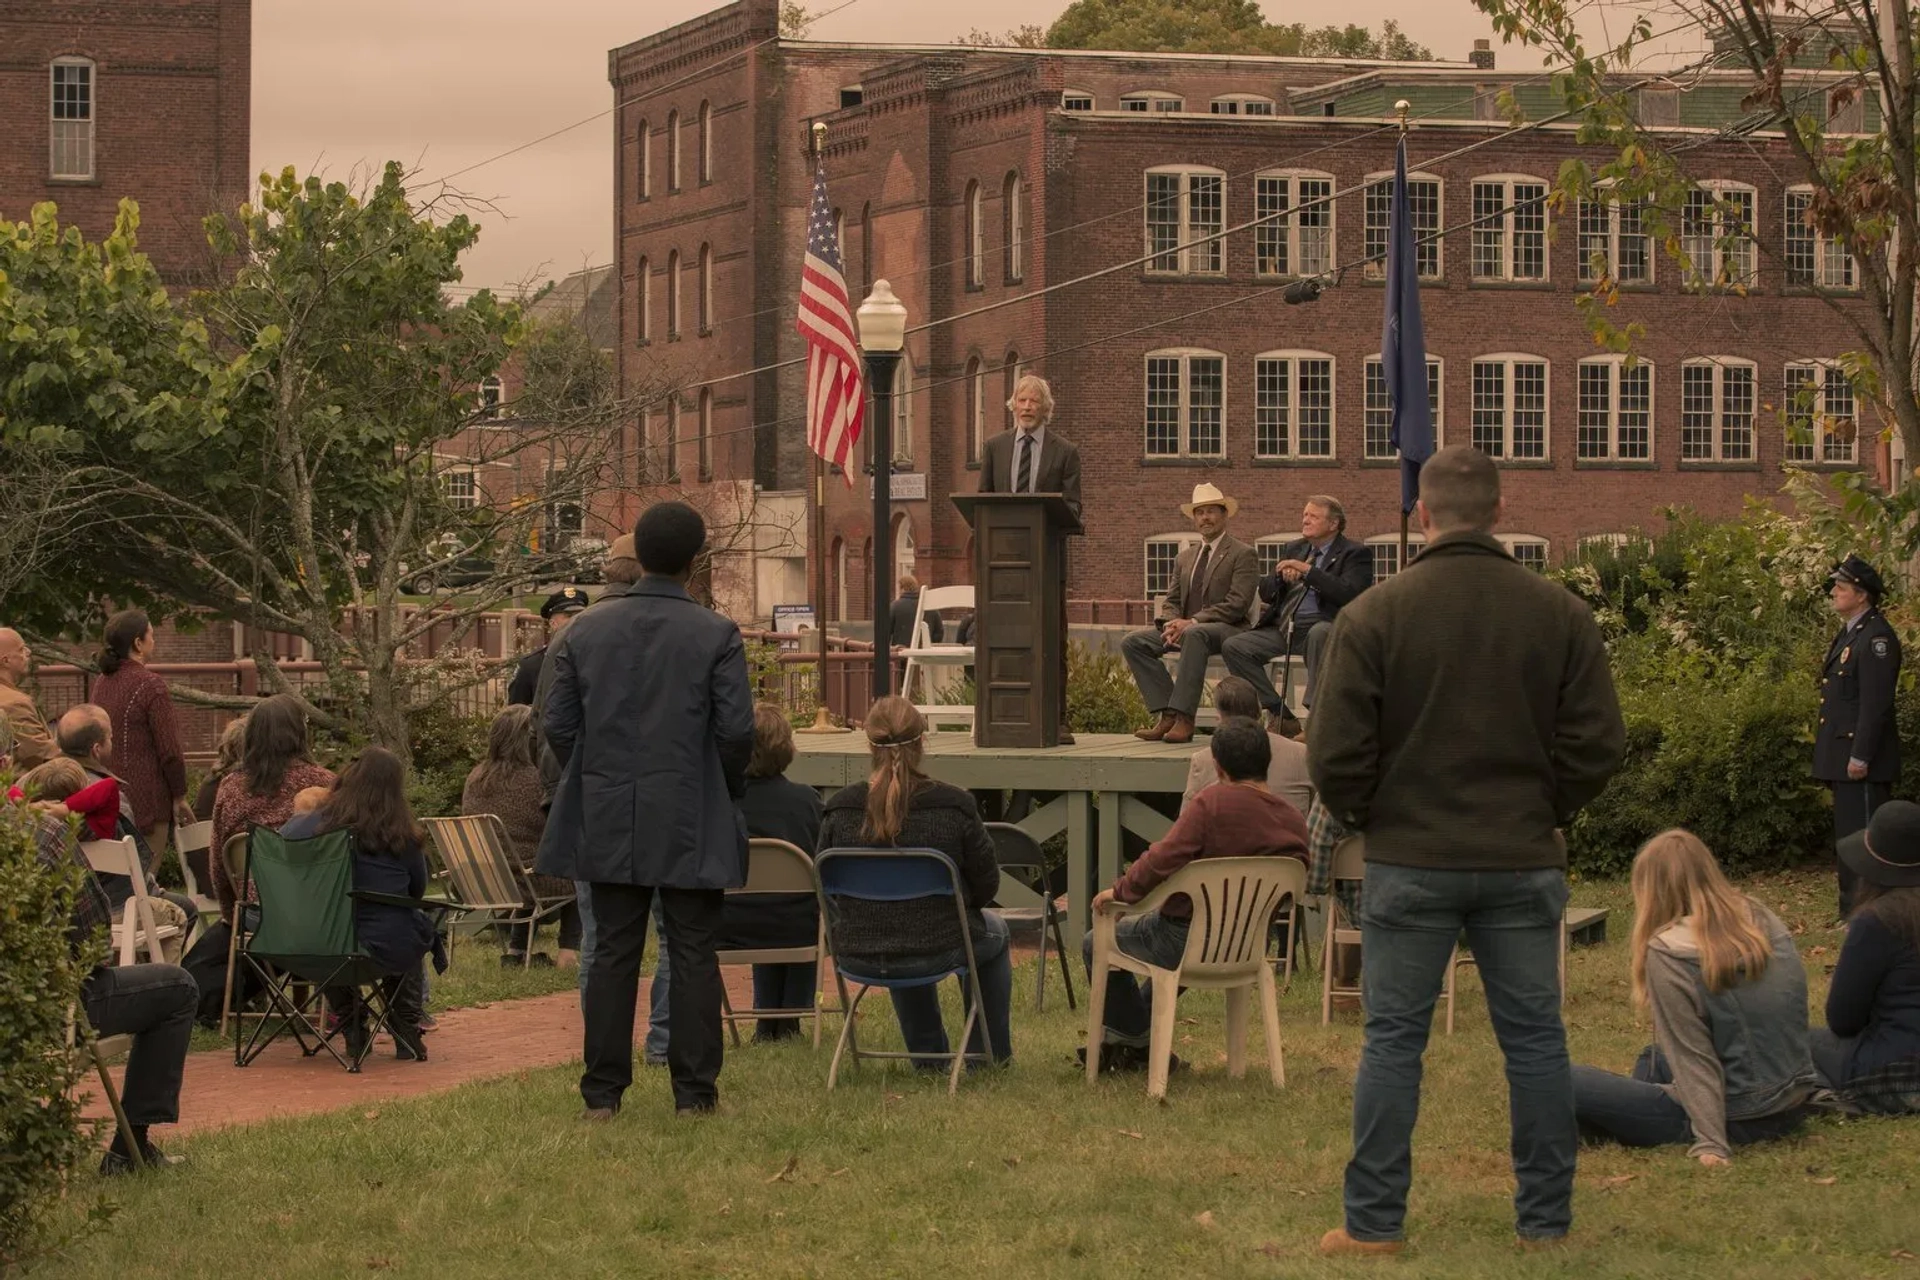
1206, 495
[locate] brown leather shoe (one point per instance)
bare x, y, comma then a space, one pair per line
1337, 1244
599, 1115
1284, 723
1155, 732
1182, 731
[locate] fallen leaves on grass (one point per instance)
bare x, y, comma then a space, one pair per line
786, 1171
1130, 1133
1616, 1181
377, 1263
1270, 1249
1825, 1182
834, 1173
1205, 1218
1904, 1255
726, 1209
1012, 1162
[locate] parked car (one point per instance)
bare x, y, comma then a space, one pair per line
463, 571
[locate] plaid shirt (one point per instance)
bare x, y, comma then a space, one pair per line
57, 847
1324, 833
1893, 1090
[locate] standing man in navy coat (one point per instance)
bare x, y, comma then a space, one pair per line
650, 715
1856, 749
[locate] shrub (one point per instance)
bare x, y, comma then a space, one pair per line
42, 1134
446, 745
1101, 695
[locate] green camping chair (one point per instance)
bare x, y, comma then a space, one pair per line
306, 937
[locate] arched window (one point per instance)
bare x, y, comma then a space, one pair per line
1716, 410
1161, 551
643, 166
866, 249
1424, 193
840, 240
1529, 549
705, 159
1716, 234
1013, 203
1821, 416
491, 397
976, 398
837, 584
1614, 421
1152, 100
903, 410
706, 433
1292, 404
1385, 548
1242, 104
72, 88
643, 296
1294, 234
1009, 378
706, 289
670, 444
1377, 420
903, 547
673, 295
1076, 99
976, 243
673, 151
1813, 260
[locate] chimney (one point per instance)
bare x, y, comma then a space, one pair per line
1482, 55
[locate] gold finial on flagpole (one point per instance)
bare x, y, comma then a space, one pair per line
819, 137
1401, 108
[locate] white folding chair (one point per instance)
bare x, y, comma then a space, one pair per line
922, 653
136, 926
195, 837
1350, 863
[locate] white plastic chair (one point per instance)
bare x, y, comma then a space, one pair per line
1350, 863
1233, 904
136, 926
921, 652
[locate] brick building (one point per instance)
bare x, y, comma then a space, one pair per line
142, 98
976, 179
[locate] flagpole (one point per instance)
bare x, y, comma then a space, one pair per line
1403, 107
822, 718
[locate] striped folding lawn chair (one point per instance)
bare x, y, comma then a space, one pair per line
483, 876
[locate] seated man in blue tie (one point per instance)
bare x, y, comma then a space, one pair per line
1315, 578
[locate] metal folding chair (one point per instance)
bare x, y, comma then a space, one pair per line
775, 867
482, 874
1024, 895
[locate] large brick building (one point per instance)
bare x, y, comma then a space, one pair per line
991, 181
140, 98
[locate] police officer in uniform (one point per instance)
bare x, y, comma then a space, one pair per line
1857, 747
558, 611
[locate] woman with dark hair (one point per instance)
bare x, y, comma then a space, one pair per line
389, 856
899, 807
1869, 1051
274, 768
507, 785
225, 760
146, 738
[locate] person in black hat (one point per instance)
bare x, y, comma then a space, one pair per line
1869, 1051
559, 610
1856, 749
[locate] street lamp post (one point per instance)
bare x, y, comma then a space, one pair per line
883, 331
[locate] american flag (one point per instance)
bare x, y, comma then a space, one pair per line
836, 407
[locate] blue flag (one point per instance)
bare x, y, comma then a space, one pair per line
1403, 344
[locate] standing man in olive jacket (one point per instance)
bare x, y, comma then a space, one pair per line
1464, 714
651, 717
1856, 749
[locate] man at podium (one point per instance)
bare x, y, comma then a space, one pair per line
1032, 459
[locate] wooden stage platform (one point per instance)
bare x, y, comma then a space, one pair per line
1101, 773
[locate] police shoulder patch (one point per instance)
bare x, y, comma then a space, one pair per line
1879, 646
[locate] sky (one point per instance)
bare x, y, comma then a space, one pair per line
441, 85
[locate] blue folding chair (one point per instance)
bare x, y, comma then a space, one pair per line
897, 905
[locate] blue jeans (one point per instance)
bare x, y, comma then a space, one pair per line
782, 986
918, 1008
1157, 940
1634, 1111
654, 1050
1411, 917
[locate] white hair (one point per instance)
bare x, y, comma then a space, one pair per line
1034, 382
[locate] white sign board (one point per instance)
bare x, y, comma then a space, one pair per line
791, 619
908, 486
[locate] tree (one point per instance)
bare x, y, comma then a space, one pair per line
1802, 68
1027, 35
1215, 26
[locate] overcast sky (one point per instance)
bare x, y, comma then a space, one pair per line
444, 84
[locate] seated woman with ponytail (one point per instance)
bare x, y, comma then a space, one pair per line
899, 807
1729, 1064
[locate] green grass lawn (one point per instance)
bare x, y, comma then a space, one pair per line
1030, 1172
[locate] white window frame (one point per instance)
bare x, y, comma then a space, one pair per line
903, 410
1068, 97
1829, 383
1013, 195
1376, 205
1376, 412
1176, 542
1719, 424
976, 234
461, 485
644, 287
1287, 233
1505, 237
1514, 541
1610, 240
673, 294
1289, 412
1615, 424
1187, 257
66, 136
673, 152
840, 238
1728, 266
1267, 550
704, 161
1243, 104
643, 186
1152, 100
1184, 422
1508, 360
1385, 550
493, 398
1830, 267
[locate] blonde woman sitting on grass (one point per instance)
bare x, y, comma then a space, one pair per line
1729, 1064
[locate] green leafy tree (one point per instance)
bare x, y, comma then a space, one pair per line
1215, 26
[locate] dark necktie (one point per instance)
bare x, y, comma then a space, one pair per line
1023, 483
1196, 583
1310, 602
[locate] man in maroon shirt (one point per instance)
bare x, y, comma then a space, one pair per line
1237, 818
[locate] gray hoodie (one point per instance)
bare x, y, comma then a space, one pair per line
1736, 1054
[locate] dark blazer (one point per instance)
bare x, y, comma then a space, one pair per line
1228, 590
1464, 712
1856, 703
526, 678
1058, 467
1346, 572
650, 716
900, 618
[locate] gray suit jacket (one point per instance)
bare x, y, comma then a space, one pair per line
1232, 575
1059, 467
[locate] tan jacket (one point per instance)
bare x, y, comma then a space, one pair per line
32, 744
1286, 776
1233, 573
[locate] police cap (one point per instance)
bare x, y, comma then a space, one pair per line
1857, 572
565, 600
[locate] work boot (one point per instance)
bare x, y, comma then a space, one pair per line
1155, 732
1337, 1243
1182, 731
1284, 723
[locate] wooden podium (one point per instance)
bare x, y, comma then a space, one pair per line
1020, 603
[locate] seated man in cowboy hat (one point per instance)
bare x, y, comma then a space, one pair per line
1213, 584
